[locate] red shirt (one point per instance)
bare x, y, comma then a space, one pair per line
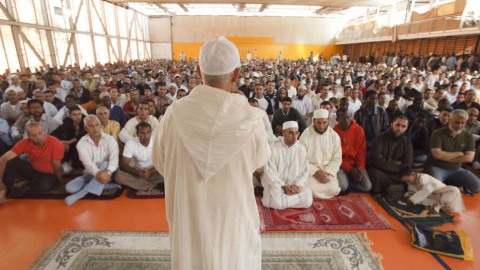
41, 158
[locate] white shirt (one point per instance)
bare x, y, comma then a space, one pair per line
66, 85
64, 112
304, 105
92, 155
291, 91
128, 131
354, 105
262, 104
50, 109
141, 154
61, 94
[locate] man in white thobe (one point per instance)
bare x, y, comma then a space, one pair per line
303, 104
285, 178
324, 156
426, 190
207, 147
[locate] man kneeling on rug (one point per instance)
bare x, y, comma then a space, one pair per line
98, 153
286, 173
143, 176
324, 151
43, 168
431, 192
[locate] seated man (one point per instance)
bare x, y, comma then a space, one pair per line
116, 113
48, 107
64, 112
285, 178
416, 108
390, 150
392, 110
287, 113
18, 129
441, 121
10, 110
51, 98
324, 156
418, 135
354, 152
143, 115
371, 118
42, 170
93, 104
451, 146
130, 108
99, 154
37, 115
69, 133
110, 127
5, 140
143, 176
426, 190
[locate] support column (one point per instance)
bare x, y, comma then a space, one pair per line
51, 46
16, 37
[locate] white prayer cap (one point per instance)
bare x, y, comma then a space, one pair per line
320, 113
219, 57
290, 124
24, 101
302, 86
96, 76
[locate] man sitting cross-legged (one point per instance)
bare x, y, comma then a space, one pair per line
43, 168
324, 156
69, 133
143, 176
286, 173
143, 115
99, 154
354, 152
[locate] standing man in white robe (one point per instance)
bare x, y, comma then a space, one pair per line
426, 190
207, 147
285, 178
324, 156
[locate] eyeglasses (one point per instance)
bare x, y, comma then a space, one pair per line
293, 133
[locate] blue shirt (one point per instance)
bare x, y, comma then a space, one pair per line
6, 132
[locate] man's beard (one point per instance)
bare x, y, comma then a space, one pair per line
318, 131
456, 132
300, 97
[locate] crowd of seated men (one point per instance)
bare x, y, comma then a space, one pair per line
331, 124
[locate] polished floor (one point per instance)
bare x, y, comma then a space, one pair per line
29, 226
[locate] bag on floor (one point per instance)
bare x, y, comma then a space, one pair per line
452, 243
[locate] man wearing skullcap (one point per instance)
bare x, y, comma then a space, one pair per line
207, 147
324, 156
285, 175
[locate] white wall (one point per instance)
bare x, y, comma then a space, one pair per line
286, 30
161, 37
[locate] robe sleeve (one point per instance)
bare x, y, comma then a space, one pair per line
302, 175
270, 175
334, 164
158, 154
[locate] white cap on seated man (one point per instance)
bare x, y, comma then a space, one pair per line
286, 173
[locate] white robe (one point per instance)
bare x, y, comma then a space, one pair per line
287, 166
207, 147
431, 192
324, 153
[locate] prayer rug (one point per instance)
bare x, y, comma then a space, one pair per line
149, 194
151, 250
413, 214
59, 192
340, 213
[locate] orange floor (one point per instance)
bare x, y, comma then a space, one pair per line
28, 226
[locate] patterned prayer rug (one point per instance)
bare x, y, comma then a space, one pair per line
413, 214
149, 194
150, 250
340, 213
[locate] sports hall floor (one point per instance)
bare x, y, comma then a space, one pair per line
29, 226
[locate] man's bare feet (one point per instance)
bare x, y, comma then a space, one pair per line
3, 196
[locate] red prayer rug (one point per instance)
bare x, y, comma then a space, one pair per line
340, 213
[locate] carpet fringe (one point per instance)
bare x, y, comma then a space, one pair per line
376, 256
380, 216
47, 250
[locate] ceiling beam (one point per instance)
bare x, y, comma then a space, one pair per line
240, 8
162, 7
263, 7
183, 7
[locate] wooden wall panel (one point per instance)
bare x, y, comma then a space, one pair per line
446, 45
